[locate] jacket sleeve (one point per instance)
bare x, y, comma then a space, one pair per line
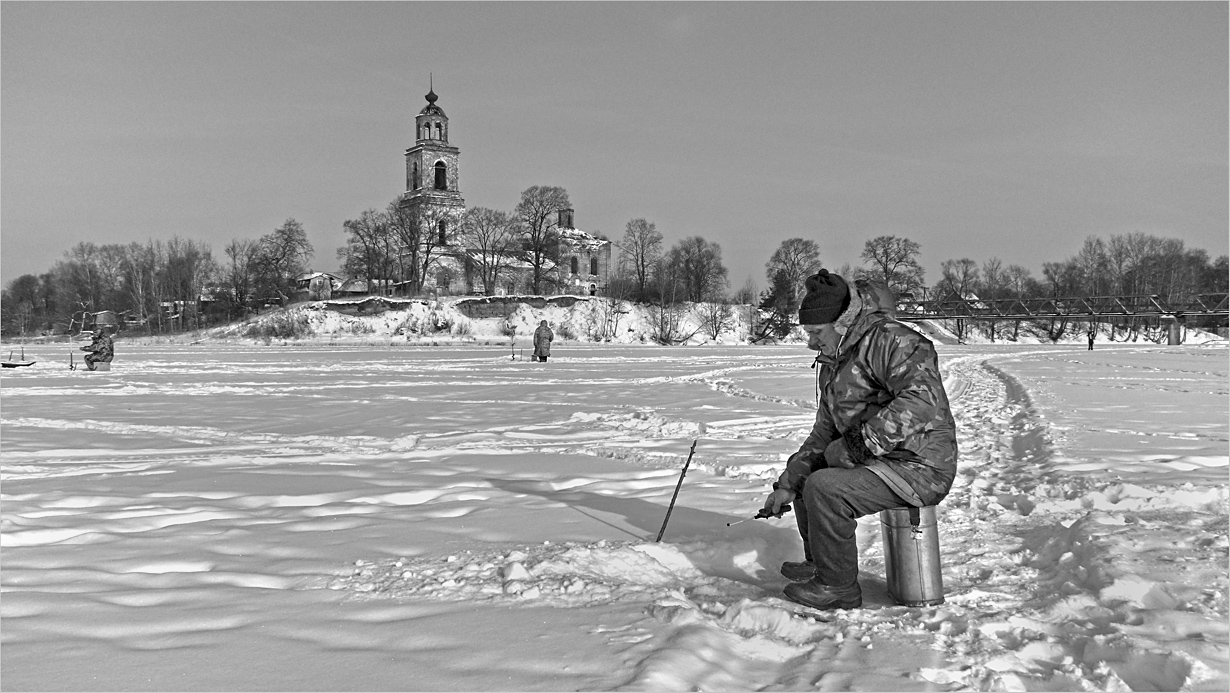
810, 455
909, 369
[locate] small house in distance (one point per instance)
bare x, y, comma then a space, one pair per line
317, 286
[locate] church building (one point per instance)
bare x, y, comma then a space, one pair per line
432, 192
433, 195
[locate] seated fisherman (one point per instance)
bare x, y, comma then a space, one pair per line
884, 436
101, 349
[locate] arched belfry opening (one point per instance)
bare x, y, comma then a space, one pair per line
441, 176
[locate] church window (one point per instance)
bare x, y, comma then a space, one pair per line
443, 226
574, 264
439, 131
415, 175
593, 265
441, 176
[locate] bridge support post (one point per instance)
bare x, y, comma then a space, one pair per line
1173, 337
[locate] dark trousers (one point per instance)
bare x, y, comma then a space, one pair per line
827, 514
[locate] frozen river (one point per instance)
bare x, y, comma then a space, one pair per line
310, 517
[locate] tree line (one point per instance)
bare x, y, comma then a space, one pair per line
1131, 264
158, 286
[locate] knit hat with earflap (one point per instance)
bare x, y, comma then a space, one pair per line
827, 296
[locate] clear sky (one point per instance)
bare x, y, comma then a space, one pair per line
1012, 130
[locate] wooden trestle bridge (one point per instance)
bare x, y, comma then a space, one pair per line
1072, 308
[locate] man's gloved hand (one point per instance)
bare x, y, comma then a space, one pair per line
778, 498
837, 454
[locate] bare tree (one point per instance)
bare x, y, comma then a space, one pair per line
715, 316
283, 256
1019, 283
640, 249
406, 233
110, 264
960, 278
84, 279
895, 262
186, 268
369, 250
241, 253
540, 240
18, 302
993, 279
491, 235
1094, 265
794, 261
1062, 278
667, 309
992, 284
698, 265
746, 294
608, 310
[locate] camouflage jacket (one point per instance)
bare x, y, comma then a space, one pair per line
102, 347
883, 393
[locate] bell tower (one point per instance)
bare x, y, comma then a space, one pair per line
432, 194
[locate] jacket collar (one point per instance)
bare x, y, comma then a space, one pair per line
870, 303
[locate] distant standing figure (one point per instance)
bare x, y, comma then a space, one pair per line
542, 341
1090, 341
101, 349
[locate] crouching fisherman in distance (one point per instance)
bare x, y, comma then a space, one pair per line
542, 341
101, 349
884, 436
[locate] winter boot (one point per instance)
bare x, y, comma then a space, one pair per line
818, 595
799, 570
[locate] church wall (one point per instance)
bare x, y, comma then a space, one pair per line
580, 282
502, 306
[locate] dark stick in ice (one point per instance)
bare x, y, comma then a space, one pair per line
677, 485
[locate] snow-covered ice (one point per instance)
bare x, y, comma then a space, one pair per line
233, 516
